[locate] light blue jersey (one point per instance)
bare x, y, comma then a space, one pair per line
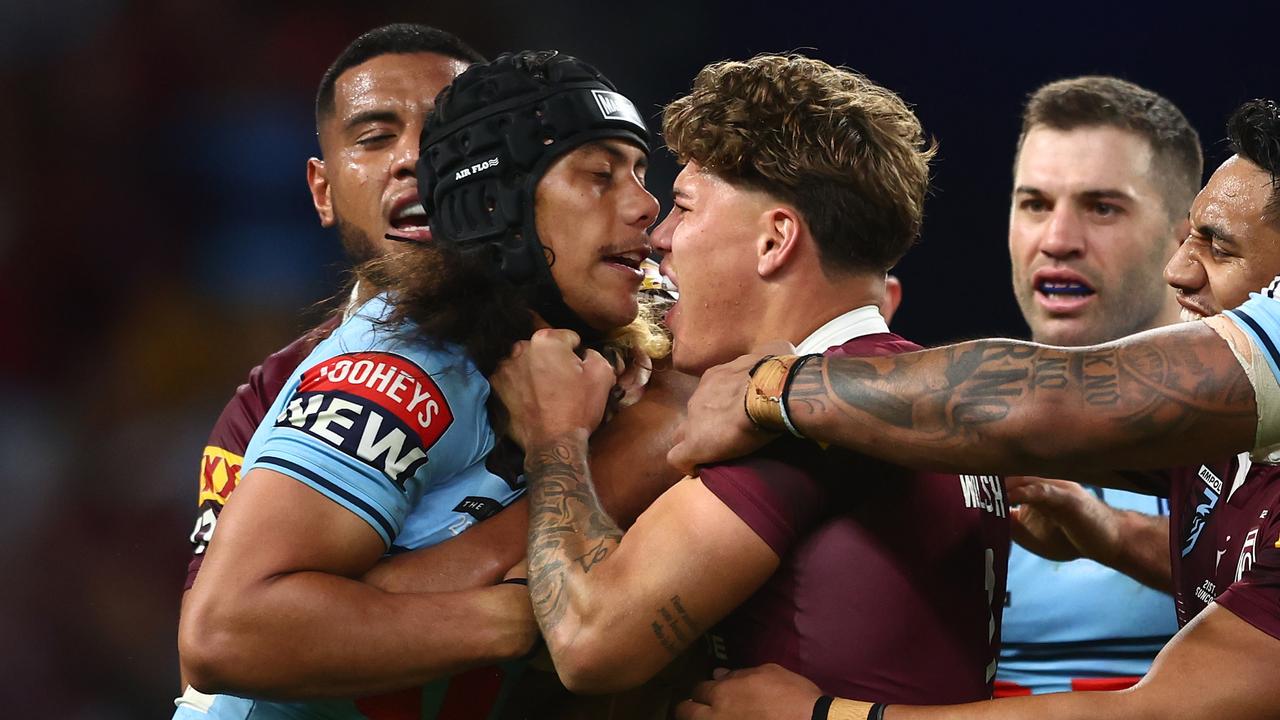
1080, 620
1259, 318
395, 431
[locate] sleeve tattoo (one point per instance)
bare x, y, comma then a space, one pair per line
569, 532
570, 535
971, 402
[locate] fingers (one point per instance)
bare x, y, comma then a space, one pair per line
597, 369
690, 710
558, 335
682, 455
701, 693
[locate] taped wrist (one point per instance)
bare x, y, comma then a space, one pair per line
833, 708
767, 391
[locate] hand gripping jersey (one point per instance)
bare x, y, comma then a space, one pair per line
892, 581
394, 430
1080, 625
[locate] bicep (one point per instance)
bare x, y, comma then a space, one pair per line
688, 561
274, 525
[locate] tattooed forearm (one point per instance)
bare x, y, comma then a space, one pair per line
1162, 397
673, 627
568, 530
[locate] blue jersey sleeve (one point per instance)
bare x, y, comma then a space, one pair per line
374, 420
1259, 318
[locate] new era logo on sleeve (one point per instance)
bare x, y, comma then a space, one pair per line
379, 408
617, 107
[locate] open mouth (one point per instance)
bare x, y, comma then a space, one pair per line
1063, 288
1191, 311
409, 223
629, 260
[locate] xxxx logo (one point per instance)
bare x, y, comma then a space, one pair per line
219, 474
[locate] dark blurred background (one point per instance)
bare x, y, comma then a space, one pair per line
157, 239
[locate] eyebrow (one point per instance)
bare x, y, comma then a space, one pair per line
1216, 232
367, 116
617, 155
1101, 194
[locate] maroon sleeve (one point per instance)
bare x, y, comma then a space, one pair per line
779, 500
224, 453
1255, 597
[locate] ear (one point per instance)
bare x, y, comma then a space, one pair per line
892, 297
321, 197
781, 229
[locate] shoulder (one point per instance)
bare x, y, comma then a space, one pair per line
778, 491
874, 345
246, 408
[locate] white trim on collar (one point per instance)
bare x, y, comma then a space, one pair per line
865, 320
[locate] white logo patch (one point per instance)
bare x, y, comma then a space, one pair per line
617, 107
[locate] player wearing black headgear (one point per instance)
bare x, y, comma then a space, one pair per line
500, 127
411, 465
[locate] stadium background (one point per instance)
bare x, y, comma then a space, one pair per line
156, 238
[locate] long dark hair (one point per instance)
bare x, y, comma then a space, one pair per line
451, 299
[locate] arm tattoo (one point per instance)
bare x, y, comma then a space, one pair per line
673, 627
568, 530
972, 403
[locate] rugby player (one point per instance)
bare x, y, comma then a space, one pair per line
380, 438
1202, 388
803, 183
1104, 175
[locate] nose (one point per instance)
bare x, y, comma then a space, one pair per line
642, 208
1063, 235
660, 237
404, 160
1185, 271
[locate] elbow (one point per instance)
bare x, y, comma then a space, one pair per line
210, 653
592, 664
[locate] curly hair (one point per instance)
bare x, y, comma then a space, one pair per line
1254, 131
847, 153
1099, 100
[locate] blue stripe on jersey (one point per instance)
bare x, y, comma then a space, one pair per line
1259, 318
387, 527
1260, 335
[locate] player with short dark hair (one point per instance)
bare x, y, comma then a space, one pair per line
1179, 394
1104, 176
757, 552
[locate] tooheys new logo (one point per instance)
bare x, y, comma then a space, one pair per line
376, 407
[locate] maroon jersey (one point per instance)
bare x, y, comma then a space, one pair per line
1225, 540
892, 581
224, 453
